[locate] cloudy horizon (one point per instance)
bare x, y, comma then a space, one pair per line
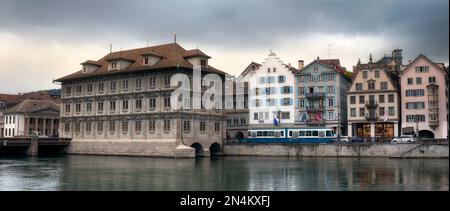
42, 40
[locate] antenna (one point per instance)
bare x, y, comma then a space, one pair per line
175, 37
120, 51
329, 51
110, 48
147, 43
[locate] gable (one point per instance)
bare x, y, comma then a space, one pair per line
421, 60
384, 77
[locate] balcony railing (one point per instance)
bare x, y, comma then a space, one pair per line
314, 109
315, 95
433, 123
316, 123
372, 116
371, 104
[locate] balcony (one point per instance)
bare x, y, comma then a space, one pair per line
315, 95
316, 123
433, 123
371, 104
314, 109
371, 116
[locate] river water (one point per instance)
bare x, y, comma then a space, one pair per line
223, 173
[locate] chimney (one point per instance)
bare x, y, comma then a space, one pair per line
301, 64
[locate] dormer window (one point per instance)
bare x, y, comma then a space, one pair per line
146, 61
90, 66
203, 62
113, 65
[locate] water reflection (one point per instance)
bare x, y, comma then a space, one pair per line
227, 173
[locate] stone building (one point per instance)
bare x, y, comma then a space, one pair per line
424, 94
32, 116
121, 104
321, 90
373, 101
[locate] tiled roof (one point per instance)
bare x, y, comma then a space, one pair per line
172, 55
30, 106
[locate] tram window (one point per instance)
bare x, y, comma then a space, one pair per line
259, 133
265, 133
253, 134
321, 134
308, 133
315, 133
249, 133
271, 133
282, 133
277, 134
290, 133
302, 133
329, 133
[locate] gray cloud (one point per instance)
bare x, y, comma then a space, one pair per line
415, 26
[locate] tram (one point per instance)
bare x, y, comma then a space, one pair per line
291, 135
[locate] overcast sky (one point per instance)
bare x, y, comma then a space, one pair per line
41, 40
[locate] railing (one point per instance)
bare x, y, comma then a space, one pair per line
314, 109
371, 104
372, 116
316, 123
315, 95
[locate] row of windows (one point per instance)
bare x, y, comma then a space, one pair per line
376, 73
137, 126
414, 92
9, 132
271, 79
112, 105
265, 115
415, 118
272, 102
415, 105
237, 121
422, 69
329, 89
319, 77
273, 90
381, 111
371, 86
381, 99
112, 85
10, 119
302, 103
431, 79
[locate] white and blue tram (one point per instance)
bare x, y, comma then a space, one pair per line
291, 135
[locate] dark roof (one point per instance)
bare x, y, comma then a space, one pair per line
172, 56
90, 62
333, 64
248, 68
30, 106
437, 65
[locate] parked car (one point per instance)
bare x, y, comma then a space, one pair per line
403, 139
344, 139
356, 139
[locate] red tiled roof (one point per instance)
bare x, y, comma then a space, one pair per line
172, 55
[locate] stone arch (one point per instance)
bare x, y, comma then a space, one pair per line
198, 149
239, 135
426, 134
215, 149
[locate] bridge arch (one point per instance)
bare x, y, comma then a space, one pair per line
215, 149
198, 149
426, 134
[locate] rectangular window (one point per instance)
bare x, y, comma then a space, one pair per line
166, 125
187, 126
202, 126
138, 126
421, 69
302, 90
138, 104
66, 127
167, 80
151, 125
361, 99
281, 79
391, 111
381, 98
152, 102
217, 126
353, 112
113, 65
384, 85
377, 73
361, 112
138, 83
390, 98
286, 101
243, 121
330, 115
352, 99
166, 102
152, 82
89, 88
68, 90
371, 85
88, 107
88, 127
124, 126
100, 127
100, 106
77, 127
101, 87
125, 84
418, 80
67, 108
365, 74
410, 81
255, 116
432, 79
112, 126
78, 108
331, 102
125, 105
203, 62
285, 115
359, 87
112, 105
381, 111
414, 118
112, 86
145, 60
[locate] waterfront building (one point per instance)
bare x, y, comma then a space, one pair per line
271, 89
373, 101
32, 116
321, 90
424, 97
125, 98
